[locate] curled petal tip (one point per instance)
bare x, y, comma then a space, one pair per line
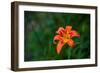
60, 30
54, 42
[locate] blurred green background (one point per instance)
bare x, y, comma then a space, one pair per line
40, 29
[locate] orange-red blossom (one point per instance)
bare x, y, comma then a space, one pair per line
64, 36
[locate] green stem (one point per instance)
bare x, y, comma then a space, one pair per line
69, 53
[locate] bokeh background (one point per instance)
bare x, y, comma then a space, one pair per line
40, 29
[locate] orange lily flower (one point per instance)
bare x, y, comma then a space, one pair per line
64, 36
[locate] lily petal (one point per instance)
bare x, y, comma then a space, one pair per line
71, 43
59, 46
68, 28
74, 33
58, 37
60, 31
